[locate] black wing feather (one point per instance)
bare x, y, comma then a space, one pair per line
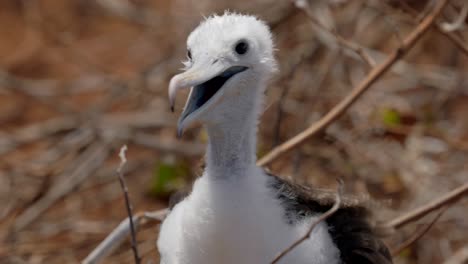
350, 227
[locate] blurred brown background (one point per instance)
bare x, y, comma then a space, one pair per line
80, 78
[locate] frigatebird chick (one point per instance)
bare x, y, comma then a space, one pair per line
236, 212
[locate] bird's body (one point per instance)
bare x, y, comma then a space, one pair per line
237, 213
239, 220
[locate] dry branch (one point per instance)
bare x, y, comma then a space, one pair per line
127, 10
419, 212
363, 86
37, 131
322, 218
124, 121
440, 28
455, 40
459, 21
180, 147
120, 233
418, 234
459, 257
128, 206
304, 6
88, 162
14, 84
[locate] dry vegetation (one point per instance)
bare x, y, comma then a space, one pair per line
78, 79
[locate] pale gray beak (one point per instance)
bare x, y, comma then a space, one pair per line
204, 87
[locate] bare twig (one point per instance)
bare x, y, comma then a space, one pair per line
322, 218
455, 40
458, 23
36, 131
120, 233
136, 119
438, 26
123, 160
363, 86
62, 153
419, 212
118, 121
14, 84
418, 234
304, 6
453, 142
284, 94
88, 162
459, 257
126, 10
180, 147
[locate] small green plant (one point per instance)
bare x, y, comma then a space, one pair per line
168, 176
390, 117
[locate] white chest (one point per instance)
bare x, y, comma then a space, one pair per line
240, 223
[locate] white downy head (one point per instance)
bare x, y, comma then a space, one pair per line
230, 57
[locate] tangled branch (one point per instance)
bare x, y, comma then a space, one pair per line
358, 91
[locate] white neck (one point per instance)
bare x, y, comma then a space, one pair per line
232, 140
234, 192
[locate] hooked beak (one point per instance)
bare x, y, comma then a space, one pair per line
204, 85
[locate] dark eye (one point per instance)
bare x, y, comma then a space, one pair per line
189, 54
242, 47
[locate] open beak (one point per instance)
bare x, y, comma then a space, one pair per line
205, 85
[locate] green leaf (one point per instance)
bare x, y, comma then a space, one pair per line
405, 253
390, 117
168, 177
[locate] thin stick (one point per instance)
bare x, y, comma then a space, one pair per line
455, 40
459, 21
86, 164
123, 160
323, 217
419, 212
120, 233
363, 86
459, 257
418, 234
305, 7
438, 26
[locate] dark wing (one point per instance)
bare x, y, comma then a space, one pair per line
179, 196
355, 237
351, 227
